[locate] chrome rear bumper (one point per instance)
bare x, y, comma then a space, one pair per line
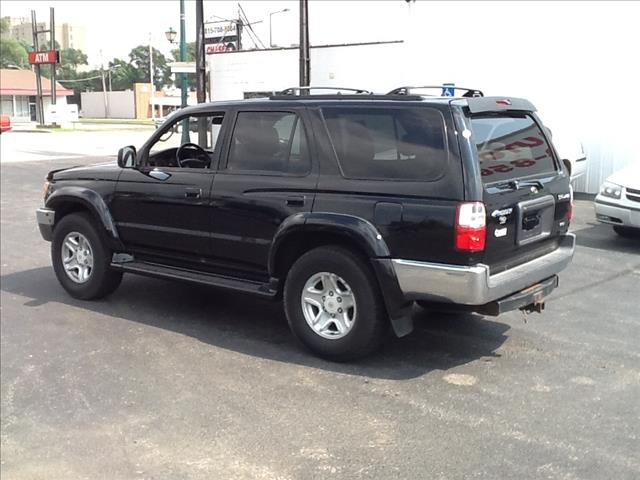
474, 285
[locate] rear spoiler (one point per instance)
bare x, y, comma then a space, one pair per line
496, 104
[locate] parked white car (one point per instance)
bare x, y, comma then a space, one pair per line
618, 202
571, 153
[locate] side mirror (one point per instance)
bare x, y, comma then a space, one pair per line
127, 157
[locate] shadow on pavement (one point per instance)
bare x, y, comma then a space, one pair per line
603, 237
256, 327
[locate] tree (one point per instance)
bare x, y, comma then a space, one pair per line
4, 25
139, 60
70, 60
44, 45
73, 57
123, 74
191, 57
13, 53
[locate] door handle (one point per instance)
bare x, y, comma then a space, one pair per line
159, 174
193, 192
295, 201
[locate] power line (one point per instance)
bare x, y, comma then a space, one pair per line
248, 24
79, 79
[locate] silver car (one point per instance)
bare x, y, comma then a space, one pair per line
618, 202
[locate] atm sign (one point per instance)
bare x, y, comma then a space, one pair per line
48, 56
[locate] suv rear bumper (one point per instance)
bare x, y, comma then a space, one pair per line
474, 285
46, 218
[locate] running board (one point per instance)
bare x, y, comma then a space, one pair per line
268, 290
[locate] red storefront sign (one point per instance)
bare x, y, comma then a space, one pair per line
221, 47
48, 56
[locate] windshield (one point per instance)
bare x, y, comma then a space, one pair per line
510, 147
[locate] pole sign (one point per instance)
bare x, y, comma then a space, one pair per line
221, 37
46, 57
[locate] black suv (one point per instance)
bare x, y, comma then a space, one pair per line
348, 207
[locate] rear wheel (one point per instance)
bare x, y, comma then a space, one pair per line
627, 232
333, 304
81, 258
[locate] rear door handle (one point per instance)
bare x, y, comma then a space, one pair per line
295, 201
193, 192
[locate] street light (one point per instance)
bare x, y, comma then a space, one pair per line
112, 68
271, 15
171, 35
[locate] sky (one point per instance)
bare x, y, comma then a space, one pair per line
114, 27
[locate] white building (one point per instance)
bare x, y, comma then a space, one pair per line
18, 94
583, 84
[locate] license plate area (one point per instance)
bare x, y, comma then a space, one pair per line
535, 219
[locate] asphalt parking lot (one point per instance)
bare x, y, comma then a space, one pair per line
166, 380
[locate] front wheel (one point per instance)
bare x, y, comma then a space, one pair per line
333, 304
81, 258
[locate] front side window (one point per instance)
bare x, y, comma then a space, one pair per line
194, 149
384, 143
268, 142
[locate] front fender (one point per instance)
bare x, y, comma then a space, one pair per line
91, 200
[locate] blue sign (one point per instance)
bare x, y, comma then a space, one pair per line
448, 89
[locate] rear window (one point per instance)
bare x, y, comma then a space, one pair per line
510, 147
383, 143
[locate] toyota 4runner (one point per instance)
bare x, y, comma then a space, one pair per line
349, 207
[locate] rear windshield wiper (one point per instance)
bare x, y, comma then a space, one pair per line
517, 185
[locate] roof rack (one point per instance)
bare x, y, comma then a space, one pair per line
470, 92
293, 90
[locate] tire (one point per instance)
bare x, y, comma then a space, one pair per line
627, 232
368, 317
100, 280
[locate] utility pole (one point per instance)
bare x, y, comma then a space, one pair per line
305, 63
153, 87
52, 36
183, 76
39, 105
200, 69
104, 94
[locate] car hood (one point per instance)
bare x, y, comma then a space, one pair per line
99, 171
628, 177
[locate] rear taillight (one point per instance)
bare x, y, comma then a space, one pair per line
471, 227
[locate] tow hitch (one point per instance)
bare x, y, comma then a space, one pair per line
529, 300
536, 307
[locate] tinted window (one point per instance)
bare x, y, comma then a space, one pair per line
383, 143
510, 147
268, 142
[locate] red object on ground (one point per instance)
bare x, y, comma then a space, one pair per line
5, 123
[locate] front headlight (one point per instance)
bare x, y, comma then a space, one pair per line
611, 190
46, 189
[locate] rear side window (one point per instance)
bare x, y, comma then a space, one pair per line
269, 142
510, 147
386, 143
